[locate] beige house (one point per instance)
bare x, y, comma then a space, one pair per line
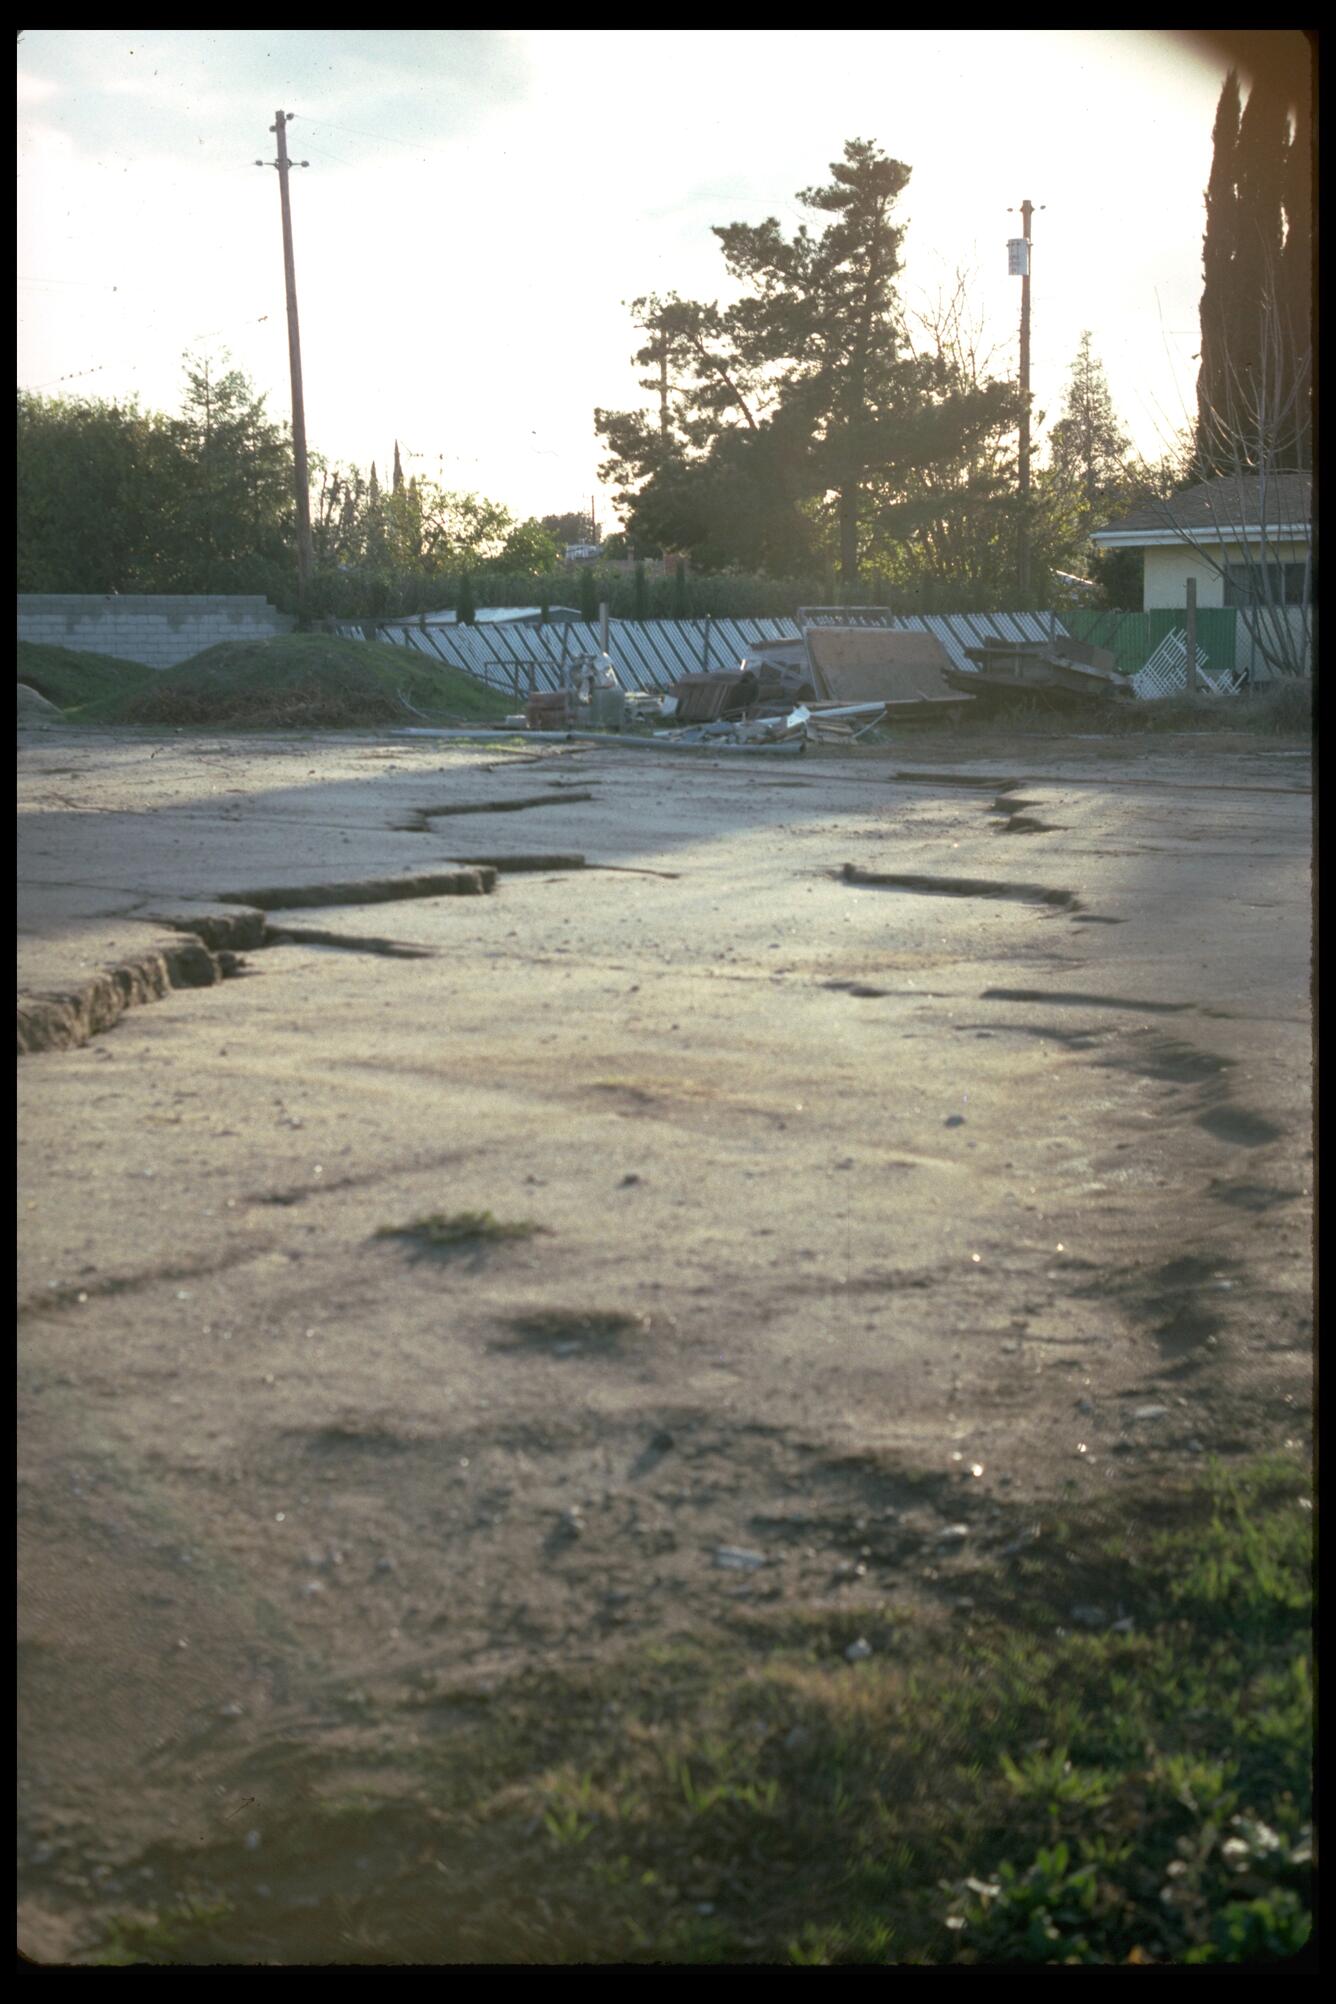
1247, 541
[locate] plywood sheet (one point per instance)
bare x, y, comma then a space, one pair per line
857, 664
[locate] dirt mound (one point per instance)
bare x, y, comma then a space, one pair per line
309, 680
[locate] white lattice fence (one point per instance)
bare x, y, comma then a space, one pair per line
1166, 672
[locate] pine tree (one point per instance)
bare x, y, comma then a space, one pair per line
799, 416
1087, 443
398, 485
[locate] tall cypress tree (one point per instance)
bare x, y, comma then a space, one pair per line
1218, 254
1255, 330
1296, 268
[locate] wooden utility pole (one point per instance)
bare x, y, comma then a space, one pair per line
304, 551
1191, 636
1023, 470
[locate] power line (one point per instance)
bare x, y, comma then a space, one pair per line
126, 362
377, 138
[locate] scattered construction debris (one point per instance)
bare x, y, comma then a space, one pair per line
1059, 668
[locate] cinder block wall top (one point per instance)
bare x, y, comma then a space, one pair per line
156, 629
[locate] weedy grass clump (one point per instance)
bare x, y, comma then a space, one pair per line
441, 1231
993, 1784
572, 1329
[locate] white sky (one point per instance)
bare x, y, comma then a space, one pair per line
480, 204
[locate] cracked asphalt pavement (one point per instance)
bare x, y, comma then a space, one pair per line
911, 1139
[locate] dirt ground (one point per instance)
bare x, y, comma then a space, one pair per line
912, 1139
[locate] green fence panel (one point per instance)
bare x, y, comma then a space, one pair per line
1132, 637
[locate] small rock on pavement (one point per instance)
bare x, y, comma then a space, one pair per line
738, 1558
858, 1651
1151, 1413
233, 1711
954, 1120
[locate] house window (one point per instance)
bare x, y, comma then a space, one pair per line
1269, 584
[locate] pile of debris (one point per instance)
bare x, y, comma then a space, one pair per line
847, 674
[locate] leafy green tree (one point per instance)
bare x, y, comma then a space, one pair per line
86, 474
111, 498
529, 549
943, 524
569, 528
641, 604
588, 594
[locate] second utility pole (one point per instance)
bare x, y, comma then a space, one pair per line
304, 552
1023, 484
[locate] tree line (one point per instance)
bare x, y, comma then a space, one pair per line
114, 498
812, 429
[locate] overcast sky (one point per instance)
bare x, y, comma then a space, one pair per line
480, 204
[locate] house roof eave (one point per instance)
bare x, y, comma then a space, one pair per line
1136, 539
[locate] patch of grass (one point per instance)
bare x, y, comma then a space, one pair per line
994, 1791
191, 1926
1280, 708
68, 677
461, 1230
307, 679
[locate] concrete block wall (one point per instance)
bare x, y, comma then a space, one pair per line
156, 629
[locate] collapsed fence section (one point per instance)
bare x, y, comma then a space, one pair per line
652, 655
